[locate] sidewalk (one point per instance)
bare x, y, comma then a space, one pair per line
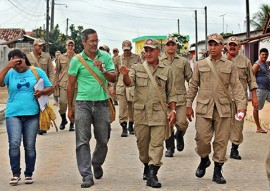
56, 165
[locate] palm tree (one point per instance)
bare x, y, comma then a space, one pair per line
259, 17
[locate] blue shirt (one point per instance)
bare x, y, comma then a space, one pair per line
21, 100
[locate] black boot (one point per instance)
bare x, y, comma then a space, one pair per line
170, 146
205, 162
124, 129
217, 177
130, 127
179, 136
64, 122
145, 171
71, 127
169, 152
234, 152
152, 179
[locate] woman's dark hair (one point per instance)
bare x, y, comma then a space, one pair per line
19, 54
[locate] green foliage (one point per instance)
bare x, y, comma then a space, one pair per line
58, 40
180, 40
226, 34
76, 36
259, 17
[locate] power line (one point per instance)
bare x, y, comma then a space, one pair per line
22, 10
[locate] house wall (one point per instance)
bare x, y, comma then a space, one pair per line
4, 50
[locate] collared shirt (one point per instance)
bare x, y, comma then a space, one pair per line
210, 92
182, 72
125, 61
245, 72
44, 62
62, 65
89, 89
147, 106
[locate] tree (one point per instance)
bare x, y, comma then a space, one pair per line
259, 17
180, 40
58, 39
76, 36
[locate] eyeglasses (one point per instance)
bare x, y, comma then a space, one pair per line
93, 41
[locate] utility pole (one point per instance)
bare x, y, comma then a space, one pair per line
52, 12
205, 12
67, 27
196, 36
178, 24
47, 26
52, 15
248, 19
223, 21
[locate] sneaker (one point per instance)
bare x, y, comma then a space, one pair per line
28, 180
14, 180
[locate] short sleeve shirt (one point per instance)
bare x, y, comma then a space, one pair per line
21, 100
89, 89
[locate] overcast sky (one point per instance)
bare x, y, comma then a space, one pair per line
117, 20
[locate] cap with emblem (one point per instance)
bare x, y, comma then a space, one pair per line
70, 42
233, 39
126, 45
170, 39
215, 37
152, 43
115, 49
39, 41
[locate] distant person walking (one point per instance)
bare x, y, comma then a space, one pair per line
22, 112
182, 73
125, 94
40, 59
61, 78
247, 80
262, 72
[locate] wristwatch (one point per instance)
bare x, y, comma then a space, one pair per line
173, 111
103, 67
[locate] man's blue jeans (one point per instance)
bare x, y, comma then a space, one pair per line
86, 114
25, 127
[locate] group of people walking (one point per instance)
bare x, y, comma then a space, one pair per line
152, 97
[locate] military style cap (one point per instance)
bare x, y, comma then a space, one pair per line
170, 39
39, 41
233, 39
215, 37
106, 48
115, 49
70, 41
126, 45
152, 43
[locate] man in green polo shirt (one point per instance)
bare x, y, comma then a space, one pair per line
91, 107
